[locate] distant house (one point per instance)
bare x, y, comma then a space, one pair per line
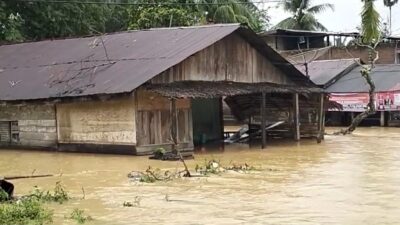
320, 45
326, 72
133, 92
351, 91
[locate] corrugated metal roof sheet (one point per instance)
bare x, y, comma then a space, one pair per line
386, 78
322, 72
80, 66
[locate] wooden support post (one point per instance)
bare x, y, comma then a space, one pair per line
296, 117
263, 122
321, 118
249, 124
382, 120
221, 118
174, 126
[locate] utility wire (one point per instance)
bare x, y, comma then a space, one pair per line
145, 3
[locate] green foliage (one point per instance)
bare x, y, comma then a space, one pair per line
78, 215
303, 15
3, 195
59, 194
210, 167
215, 167
40, 20
28, 211
234, 11
370, 23
145, 17
10, 25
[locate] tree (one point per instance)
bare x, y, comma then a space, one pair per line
24, 20
163, 14
234, 11
303, 15
370, 38
10, 25
390, 4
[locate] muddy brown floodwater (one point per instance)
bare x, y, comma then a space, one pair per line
351, 179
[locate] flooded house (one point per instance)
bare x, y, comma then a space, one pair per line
137, 91
347, 89
351, 91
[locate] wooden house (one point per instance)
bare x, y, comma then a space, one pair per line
136, 91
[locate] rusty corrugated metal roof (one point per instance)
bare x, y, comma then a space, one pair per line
84, 66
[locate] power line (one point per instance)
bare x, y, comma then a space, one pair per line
146, 3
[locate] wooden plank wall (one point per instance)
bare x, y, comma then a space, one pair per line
97, 122
154, 119
36, 123
230, 59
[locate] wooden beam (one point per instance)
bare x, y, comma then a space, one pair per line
382, 120
221, 117
321, 118
296, 117
173, 125
263, 122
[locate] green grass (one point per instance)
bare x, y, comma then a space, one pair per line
28, 211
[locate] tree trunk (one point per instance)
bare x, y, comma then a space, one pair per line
366, 73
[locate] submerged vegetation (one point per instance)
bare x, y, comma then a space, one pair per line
59, 195
31, 209
215, 167
28, 210
208, 167
78, 215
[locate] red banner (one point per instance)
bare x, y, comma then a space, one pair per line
357, 102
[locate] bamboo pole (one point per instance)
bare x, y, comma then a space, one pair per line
25, 177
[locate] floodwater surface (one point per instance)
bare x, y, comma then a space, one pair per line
352, 179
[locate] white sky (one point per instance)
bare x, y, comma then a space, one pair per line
346, 16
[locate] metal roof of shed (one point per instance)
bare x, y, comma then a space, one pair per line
324, 72
84, 66
385, 77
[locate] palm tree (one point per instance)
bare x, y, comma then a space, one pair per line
303, 15
371, 35
390, 4
230, 11
370, 23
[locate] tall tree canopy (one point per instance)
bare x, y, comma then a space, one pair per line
370, 22
303, 15
49, 19
390, 4
233, 11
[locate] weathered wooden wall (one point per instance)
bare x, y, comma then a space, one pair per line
230, 59
36, 124
154, 121
97, 122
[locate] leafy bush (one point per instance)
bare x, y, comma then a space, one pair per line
79, 216
59, 194
26, 211
3, 195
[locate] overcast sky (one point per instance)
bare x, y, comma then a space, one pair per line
345, 17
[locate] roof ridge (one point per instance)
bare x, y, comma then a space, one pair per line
125, 32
